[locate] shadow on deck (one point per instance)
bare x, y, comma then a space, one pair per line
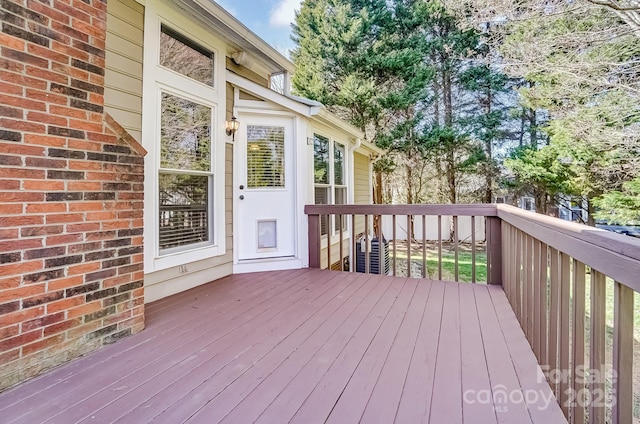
305, 346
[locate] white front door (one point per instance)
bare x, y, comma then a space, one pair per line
265, 188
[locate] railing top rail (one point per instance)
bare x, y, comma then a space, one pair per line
459, 210
614, 255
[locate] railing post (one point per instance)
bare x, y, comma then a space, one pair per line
493, 235
314, 241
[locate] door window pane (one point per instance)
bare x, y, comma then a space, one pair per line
185, 57
184, 210
185, 134
265, 157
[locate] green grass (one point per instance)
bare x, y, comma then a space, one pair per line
448, 264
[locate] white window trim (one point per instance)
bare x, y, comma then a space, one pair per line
333, 228
157, 79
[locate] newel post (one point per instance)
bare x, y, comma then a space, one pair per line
494, 250
314, 241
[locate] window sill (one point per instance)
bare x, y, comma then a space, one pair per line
187, 256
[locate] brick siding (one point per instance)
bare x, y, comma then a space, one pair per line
71, 192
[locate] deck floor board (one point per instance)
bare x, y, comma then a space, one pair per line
303, 346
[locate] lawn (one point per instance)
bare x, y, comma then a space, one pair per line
448, 261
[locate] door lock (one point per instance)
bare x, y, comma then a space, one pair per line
241, 187
241, 197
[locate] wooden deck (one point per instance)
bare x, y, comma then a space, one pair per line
305, 346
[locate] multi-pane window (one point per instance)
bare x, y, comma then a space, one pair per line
185, 174
330, 179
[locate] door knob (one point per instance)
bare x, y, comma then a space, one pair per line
241, 187
241, 197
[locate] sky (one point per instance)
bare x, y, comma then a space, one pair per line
269, 19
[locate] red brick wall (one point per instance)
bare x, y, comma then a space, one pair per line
71, 192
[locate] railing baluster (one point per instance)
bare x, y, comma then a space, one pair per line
597, 346
367, 263
531, 292
341, 246
394, 245
564, 352
424, 247
328, 242
506, 264
543, 265
409, 246
513, 268
578, 323
353, 256
519, 308
439, 247
622, 354
537, 288
455, 248
473, 249
554, 314
315, 241
526, 285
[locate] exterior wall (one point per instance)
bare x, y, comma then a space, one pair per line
71, 263
123, 73
361, 186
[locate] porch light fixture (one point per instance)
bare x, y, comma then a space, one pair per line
231, 127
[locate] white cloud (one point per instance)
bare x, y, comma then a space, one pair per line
284, 13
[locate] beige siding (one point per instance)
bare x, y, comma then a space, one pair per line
123, 74
247, 73
362, 186
229, 101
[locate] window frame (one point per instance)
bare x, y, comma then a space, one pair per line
158, 79
331, 185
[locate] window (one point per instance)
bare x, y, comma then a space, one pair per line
185, 57
183, 114
186, 152
329, 171
185, 177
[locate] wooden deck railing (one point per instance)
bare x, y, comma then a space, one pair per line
551, 271
361, 229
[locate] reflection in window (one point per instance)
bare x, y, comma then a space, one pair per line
185, 134
184, 205
338, 164
185, 57
320, 159
265, 157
